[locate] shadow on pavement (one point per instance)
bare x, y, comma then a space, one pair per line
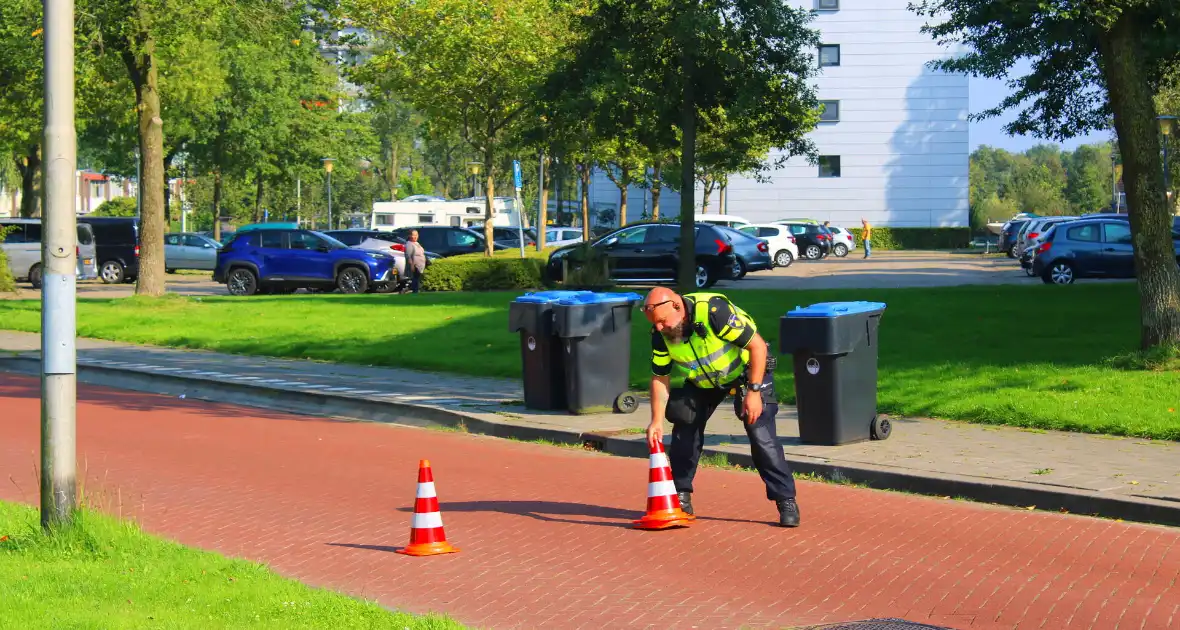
550, 511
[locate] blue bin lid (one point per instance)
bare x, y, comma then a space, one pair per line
548, 297
588, 297
836, 309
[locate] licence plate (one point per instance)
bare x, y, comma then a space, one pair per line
88, 261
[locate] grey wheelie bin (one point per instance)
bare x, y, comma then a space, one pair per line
834, 346
541, 353
595, 332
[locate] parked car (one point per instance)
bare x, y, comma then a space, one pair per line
510, 237
813, 240
842, 241
446, 240
751, 253
650, 253
377, 240
727, 220
22, 247
285, 260
1037, 228
189, 250
1009, 236
561, 236
117, 239
783, 250
1088, 248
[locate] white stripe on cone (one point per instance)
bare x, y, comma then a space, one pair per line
429, 520
661, 488
426, 490
659, 460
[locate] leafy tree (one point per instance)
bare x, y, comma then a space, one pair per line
468, 64
1091, 62
116, 207
655, 65
1088, 184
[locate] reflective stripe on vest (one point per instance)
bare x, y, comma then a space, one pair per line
710, 361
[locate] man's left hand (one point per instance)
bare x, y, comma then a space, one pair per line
753, 406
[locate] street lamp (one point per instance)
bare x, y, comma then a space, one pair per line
474, 168
328, 169
1166, 123
1114, 182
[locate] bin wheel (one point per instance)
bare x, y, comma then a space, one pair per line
626, 403
880, 428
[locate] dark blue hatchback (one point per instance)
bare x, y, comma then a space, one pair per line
1089, 248
269, 260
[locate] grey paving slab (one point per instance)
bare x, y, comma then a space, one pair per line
1113, 466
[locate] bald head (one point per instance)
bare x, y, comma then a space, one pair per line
664, 308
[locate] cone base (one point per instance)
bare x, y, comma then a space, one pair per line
665, 520
427, 549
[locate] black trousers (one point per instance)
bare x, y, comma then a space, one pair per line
415, 278
689, 409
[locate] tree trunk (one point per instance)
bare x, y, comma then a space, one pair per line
30, 169
391, 170
656, 185
721, 209
217, 204
709, 184
258, 199
143, 71
623, 204
1132, 104
688, 146
543, 206
584, 177
490, 194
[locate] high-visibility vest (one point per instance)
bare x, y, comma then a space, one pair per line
709, 360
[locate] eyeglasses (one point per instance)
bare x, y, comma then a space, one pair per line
649, 308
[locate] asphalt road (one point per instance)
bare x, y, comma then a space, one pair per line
883, 269
545, 534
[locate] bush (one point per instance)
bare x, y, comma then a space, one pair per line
504, 271
7, 282
587, 268
916, 238
117, 207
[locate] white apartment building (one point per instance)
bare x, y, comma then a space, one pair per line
90, 191
893, 141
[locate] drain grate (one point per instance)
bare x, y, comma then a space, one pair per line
875, 624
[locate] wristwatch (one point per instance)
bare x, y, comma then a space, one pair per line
755, 387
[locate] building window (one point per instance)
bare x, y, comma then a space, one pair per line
827, 5
829, 111
829, 166
829, 55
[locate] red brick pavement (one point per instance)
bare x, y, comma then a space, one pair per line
544, 536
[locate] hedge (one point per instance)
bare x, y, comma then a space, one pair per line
7, 282
916, 238
504, 271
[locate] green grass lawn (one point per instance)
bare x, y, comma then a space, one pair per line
1034, 356
103, 573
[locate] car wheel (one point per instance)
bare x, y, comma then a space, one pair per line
703, 279
741, 269
242, 282
1013, 253
169, 271
783, 258
1029, 271
812, 252
111, 272
352, 280
1060, 272
35, 277
840, 250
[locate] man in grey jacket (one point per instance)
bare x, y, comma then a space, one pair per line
415, 262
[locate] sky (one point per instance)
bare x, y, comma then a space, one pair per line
986, 93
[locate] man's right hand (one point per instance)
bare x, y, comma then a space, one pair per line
655, 433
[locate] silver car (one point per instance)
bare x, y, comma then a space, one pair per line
188, 250
22, 247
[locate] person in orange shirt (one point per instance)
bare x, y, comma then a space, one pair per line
866, 234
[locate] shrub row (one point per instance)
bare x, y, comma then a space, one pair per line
504, 271
916, 238
7, 283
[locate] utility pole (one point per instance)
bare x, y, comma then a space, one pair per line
58, 259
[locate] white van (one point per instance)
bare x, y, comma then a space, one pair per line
22, 247
728, 220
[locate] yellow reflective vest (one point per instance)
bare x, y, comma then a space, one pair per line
709, 360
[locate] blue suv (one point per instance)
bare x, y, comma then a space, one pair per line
283, 260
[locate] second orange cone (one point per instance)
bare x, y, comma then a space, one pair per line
427, 537
663, 505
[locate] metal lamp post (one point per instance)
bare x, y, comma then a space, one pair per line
1166, 123
1114, 183
473, 168
328, 162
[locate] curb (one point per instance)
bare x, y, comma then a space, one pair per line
344, 407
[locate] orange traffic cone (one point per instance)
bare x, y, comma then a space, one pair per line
427, 537
663, 506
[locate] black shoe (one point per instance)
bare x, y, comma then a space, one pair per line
685, 501
788, 513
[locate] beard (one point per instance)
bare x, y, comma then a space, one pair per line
678, 333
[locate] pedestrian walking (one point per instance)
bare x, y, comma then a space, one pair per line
866, 234
717, 345
415, 262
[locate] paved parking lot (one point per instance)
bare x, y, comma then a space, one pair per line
883, 269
